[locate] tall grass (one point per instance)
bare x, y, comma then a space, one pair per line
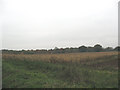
60, 57
80, 70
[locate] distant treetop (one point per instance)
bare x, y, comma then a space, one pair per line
95, 48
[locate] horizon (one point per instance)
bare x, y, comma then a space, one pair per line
58, 48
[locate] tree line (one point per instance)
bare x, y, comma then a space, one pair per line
95, 48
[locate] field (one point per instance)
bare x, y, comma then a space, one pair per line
72, 70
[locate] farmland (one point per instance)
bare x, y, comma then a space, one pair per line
69, 70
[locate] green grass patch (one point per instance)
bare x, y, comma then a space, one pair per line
40, 74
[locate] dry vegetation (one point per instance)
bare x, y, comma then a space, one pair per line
60, 57
72, 70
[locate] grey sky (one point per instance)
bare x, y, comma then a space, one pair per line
45, 24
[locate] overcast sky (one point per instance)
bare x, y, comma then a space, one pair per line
45, 24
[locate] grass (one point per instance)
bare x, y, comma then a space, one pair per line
100, 70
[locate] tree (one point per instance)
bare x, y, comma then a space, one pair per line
67, 50
83, 49
56, 50
90, 49
117, 48
108, 49
98, 48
